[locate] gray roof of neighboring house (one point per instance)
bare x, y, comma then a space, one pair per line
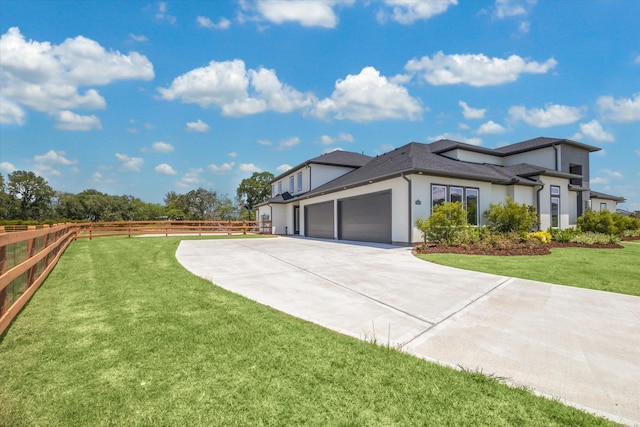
333, 158
598, 195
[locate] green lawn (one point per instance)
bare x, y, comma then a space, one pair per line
121, 334
612, 270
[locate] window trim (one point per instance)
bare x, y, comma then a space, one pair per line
291, 185
554, 192
299, 181
447, 197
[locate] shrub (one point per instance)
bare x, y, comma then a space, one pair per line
595, 238
542, 236
445, 223
511, 217
607, 222
563, 236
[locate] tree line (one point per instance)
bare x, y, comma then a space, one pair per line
27, 197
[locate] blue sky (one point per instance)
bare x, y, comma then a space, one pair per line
143, 98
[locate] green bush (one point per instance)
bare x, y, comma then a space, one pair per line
590, 238
445, 225
607, 222
563, 235
511, 217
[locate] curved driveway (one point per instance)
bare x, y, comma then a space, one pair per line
577, 345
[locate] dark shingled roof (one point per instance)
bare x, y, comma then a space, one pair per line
333, 158
541, 142
416, 157
597, 195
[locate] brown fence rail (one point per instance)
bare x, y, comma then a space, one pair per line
28, 255
26, 258
200, 228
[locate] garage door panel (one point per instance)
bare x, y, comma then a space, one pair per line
366, 218
318, 220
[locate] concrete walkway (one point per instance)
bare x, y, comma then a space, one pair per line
577, 345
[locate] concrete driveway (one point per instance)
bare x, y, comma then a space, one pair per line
577, 345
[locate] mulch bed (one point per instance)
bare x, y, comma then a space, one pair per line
513, 250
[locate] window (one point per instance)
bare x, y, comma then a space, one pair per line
273, 190
467, 196
555, 206
471, 205
603, 206
280, 187
291, 184
438, 195
299, 181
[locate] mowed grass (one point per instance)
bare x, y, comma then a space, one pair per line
612, 270
121, 334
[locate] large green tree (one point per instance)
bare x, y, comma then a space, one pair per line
254, 190
5, 200
32, 195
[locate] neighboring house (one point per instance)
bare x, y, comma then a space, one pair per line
604, 202
350, 196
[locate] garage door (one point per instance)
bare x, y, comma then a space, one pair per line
366, 218
318, 220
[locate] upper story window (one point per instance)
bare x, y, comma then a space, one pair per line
279, 187
273, 190
291, 188
299, 181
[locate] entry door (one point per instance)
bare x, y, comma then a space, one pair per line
296, 220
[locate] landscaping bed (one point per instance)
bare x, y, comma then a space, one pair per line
507, 249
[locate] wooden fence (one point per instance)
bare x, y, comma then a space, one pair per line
27, 256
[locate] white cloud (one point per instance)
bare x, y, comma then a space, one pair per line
342, 137
138, 38
598, 180
223, 23
236, 90
475, 70
162, 147
233, 154
621, 109
456, 137
162, 14
68, 120
471, 113
7, 167
613, 174
283, 168
165, 169
131, 164
551, 115
491, 127
264, 142
197, 126
509, 8
191, 179
97, 176
637, 153
369, 96
47, 77
594, 130
408, 11
524, 27
308, 13
288, 143
54, 158
10, 112
249, 167
225, 167
637, 61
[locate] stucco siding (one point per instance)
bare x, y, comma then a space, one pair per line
472, 156
545, 157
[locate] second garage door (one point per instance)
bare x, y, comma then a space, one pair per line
365, 218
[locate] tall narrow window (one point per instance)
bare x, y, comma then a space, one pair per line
273, 191
299, 181
555, 206
279, 187
291, 184
438, 195
603, 207
471, 204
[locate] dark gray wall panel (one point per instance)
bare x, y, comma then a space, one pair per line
318, 220
366, 218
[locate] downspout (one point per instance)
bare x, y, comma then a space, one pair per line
538, 204
410, 227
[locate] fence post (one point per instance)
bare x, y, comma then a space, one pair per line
244, 227
229, 228
3, 293
90, 230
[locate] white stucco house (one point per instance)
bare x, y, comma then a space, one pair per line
351, 196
